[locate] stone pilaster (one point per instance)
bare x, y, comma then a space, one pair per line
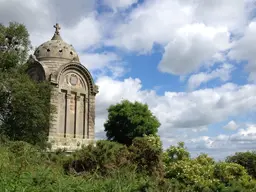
69, 130
54, 112
91, 117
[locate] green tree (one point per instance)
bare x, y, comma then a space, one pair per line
246, 159
127, 120
14, 46
24, 104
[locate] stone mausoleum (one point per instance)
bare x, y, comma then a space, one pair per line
73, 93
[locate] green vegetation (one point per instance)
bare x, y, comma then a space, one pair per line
113, 167
127, 120
131, 160
24, 104
246, 159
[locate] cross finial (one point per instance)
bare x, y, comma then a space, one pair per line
57, 28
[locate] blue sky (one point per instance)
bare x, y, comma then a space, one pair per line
191, 61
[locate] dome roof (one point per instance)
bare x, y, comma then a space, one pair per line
56, 48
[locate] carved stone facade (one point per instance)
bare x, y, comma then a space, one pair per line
73, 93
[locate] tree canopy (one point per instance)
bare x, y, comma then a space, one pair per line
246, 159
24, 104
127, 120
14, 46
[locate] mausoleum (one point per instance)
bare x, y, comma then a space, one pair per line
73, 92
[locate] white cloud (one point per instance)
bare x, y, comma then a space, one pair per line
223, 145
79, 24
116, 4
223, 73
219, 146
77, 35
85, 34
37, 15
245, 49
100, 64
192, 47
192, 32
98, 60
231, 125
152, 22
228, 13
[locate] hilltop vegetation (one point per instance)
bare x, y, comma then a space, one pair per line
131, 160
110, 166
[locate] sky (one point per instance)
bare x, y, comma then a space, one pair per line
192, 61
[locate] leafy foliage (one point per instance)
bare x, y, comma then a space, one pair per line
104, 157
24, 109
127, 120
147, 157
246, 159
24, 105
24, 167
14, 46
233, 172
173, 153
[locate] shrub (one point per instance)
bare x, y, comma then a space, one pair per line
105, 157
146, 156
228, 172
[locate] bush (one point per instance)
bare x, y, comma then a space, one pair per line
146, 156
105, 157
228, 172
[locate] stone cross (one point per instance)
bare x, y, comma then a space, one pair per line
57, 28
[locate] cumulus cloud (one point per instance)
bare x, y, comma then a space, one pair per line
223, 73
245, 49
117, 4
192, 47
223, 145
40, 16
192, 32
232, 125
98, 60
101, 64
218, 147
37, 15
152, 22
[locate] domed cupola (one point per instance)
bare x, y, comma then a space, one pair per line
56, 49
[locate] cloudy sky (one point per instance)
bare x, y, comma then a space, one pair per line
192, 61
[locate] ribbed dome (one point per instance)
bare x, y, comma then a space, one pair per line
56, 48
